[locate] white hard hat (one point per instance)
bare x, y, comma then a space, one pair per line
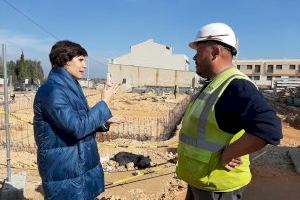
216, 32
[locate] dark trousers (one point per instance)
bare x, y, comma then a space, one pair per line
198, 194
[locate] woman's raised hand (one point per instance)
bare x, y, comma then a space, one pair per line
108, 92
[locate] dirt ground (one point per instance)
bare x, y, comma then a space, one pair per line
274, 177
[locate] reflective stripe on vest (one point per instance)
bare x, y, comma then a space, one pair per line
201, 141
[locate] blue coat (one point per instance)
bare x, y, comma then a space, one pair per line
64, 131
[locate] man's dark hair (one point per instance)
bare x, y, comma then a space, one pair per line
64, 51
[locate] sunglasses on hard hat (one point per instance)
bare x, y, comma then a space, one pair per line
214, 37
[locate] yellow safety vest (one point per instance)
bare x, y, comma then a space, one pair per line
201, 141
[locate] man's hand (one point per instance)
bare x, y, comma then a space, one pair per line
108, 92
230, 164
248, 143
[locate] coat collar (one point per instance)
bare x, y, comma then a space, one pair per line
63, 77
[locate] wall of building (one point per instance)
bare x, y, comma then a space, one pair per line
86, 83
146, 76
269, 70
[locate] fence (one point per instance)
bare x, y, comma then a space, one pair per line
155, 129
20, 122
21, 128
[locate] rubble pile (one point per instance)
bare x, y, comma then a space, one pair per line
285, 105
284, 94
296, 121
292, 119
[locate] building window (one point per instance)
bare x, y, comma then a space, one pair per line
249, 67
292, 66
238, 66
279, 67
298, 68
257, 69
269, 78
256, 78
270, 69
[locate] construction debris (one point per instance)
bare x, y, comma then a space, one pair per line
130, 159
287, 103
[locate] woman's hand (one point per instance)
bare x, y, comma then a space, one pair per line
116, 120
108, 92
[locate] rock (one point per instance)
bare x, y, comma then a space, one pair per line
130, 166
109, 168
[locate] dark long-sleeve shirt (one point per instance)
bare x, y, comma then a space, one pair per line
242, 106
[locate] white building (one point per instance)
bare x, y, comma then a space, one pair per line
264, 72
151, 64
155, 55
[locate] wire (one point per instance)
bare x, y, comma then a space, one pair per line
41, 27
31, 20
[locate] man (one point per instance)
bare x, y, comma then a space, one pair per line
65, 128
176, 90
225, 122
12, 96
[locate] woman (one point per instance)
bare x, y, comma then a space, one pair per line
65, 128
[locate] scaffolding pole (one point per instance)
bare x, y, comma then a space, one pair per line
6, 109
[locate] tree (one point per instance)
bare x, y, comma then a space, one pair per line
21, 69
35, 70
11, 67
28, 69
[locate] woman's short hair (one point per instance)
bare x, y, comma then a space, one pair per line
64, 51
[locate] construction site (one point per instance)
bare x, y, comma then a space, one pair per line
139, 157
154, 121
153, 99
149, 100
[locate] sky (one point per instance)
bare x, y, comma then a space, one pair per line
268, 29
